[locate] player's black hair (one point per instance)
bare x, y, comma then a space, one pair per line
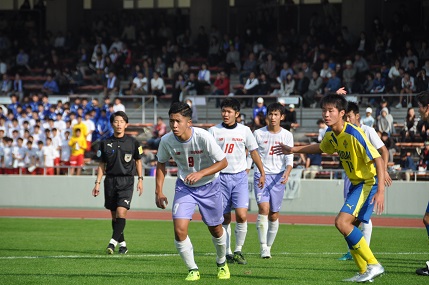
352, 107
119, 114
276, 107
232, 103
338, 101
180, 108
320, 121
423, 98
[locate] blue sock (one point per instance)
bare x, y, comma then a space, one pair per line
353, 237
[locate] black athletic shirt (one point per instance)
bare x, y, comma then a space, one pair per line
120, 154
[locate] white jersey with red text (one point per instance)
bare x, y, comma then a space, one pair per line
234, 143
273, 163
193, 155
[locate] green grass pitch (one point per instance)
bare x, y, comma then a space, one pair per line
72, 251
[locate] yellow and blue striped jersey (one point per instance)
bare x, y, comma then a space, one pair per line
355, 151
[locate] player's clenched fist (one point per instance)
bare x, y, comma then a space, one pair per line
161, 201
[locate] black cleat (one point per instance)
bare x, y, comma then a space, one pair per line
110, 249
123, 250
239, 258
423, 271
230, 258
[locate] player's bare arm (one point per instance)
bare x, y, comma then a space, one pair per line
215, 167
257, 160
385, 155
285, 149
139, 169
286, 174
160, 199
378, 198
100, 173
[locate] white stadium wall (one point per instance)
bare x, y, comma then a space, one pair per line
308, 196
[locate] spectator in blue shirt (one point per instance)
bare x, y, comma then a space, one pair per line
259, 113
50, 86
334, 83
407, 165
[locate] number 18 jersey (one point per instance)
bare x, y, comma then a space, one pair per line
234, 142
273, 163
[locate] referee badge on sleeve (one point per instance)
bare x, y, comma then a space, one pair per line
140, 149
99, 153
128, 157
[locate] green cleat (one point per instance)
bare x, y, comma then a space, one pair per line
223, 271
193, 275
346, 256
239, 258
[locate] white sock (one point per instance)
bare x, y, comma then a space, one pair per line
220, 246
123, 244
114, 242
240, 235
227, 229
186, 252
367, 231
262, 227
273, 228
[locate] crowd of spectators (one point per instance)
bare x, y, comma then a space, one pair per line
158, 59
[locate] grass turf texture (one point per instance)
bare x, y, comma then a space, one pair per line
67, 251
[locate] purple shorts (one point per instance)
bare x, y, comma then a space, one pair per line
235, 190
273, 191
208, 198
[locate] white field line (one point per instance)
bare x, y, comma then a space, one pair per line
174, 254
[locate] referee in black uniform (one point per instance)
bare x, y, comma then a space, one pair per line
120, 158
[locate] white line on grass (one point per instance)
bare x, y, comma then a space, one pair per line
174, 254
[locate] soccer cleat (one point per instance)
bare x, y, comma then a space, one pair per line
223, 271
354, 278
265, 253
123, 250
110, 249
423, 271
372, 271
347, 256
193, 275
239, 258
230, 258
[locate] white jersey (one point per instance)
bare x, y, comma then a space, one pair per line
372, 136
90, 127
273, 163
197, 153
234, 143
30, 154
57, 143
40, 157
60, 126
49, 153
19, 154
65, 150
7, 157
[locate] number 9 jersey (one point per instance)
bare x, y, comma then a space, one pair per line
273, 163
193, 155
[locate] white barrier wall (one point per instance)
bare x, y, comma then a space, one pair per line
313, 196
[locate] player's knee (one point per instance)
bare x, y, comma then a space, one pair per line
216, 231
426, 220
180, 234
341, 224
241, 219
272, 217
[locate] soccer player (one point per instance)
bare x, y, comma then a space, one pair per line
277, 170
353, 117
120, 159
234, 139
199, 160
423, 103
358, 157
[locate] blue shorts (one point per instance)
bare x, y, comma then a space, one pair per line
235, 190
427, 209
358, 201
272, 192
207, 197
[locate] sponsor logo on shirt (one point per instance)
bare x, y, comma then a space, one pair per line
237, 139
197, 151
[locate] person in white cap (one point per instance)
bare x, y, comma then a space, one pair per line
259, 113
349, 76
368, 120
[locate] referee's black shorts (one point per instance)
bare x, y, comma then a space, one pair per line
118, 192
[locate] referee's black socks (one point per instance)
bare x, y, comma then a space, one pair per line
118, 226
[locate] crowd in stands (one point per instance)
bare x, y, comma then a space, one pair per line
162, 60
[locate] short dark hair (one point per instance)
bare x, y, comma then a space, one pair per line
180, 108
338, 101
352, 107
423, 98
276, 107
119, 114
232, 103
